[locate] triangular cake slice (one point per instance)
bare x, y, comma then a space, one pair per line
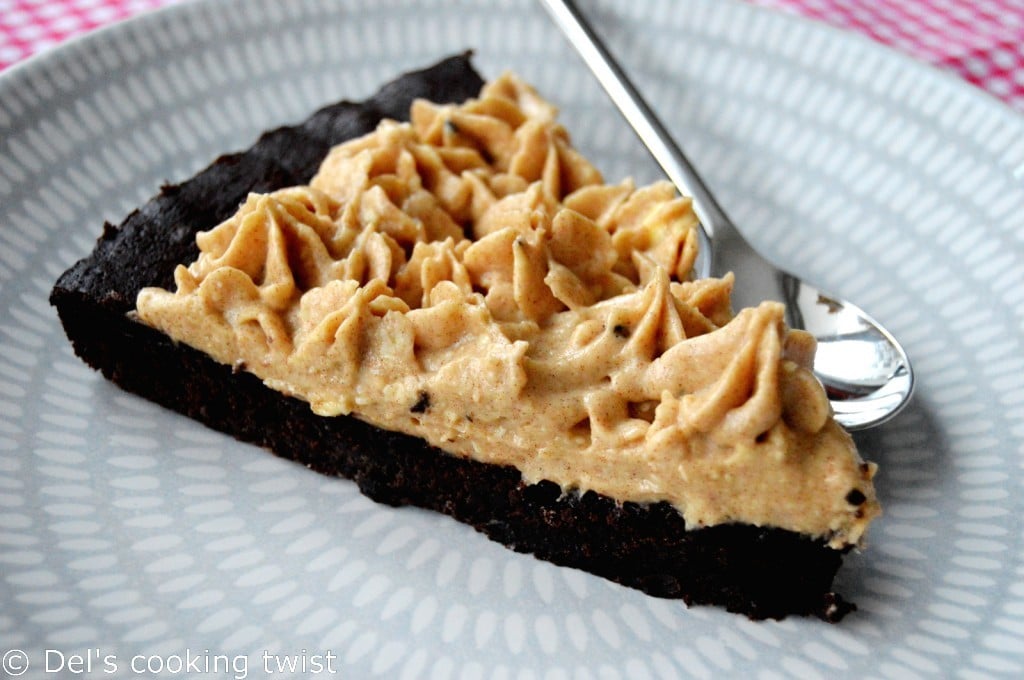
458, 313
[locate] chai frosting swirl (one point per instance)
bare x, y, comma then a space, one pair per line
469, 278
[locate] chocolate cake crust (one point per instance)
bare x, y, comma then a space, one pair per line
757, 571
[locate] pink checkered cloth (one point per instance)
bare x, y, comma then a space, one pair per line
980, 40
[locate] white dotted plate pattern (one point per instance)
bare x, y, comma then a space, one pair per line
129, 530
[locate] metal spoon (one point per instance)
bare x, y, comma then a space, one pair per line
865, 371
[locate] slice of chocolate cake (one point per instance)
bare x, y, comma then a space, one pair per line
458, 314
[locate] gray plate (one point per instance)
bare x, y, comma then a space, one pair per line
129, 530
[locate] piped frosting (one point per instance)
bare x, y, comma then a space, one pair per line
469, 278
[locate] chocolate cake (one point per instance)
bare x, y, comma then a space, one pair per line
760, 571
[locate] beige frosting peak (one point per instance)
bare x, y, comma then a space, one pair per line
468, 278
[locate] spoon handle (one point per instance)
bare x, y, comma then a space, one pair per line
644, 121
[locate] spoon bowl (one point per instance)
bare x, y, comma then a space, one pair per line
865, 372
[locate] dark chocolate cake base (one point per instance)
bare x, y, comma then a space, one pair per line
761, 572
